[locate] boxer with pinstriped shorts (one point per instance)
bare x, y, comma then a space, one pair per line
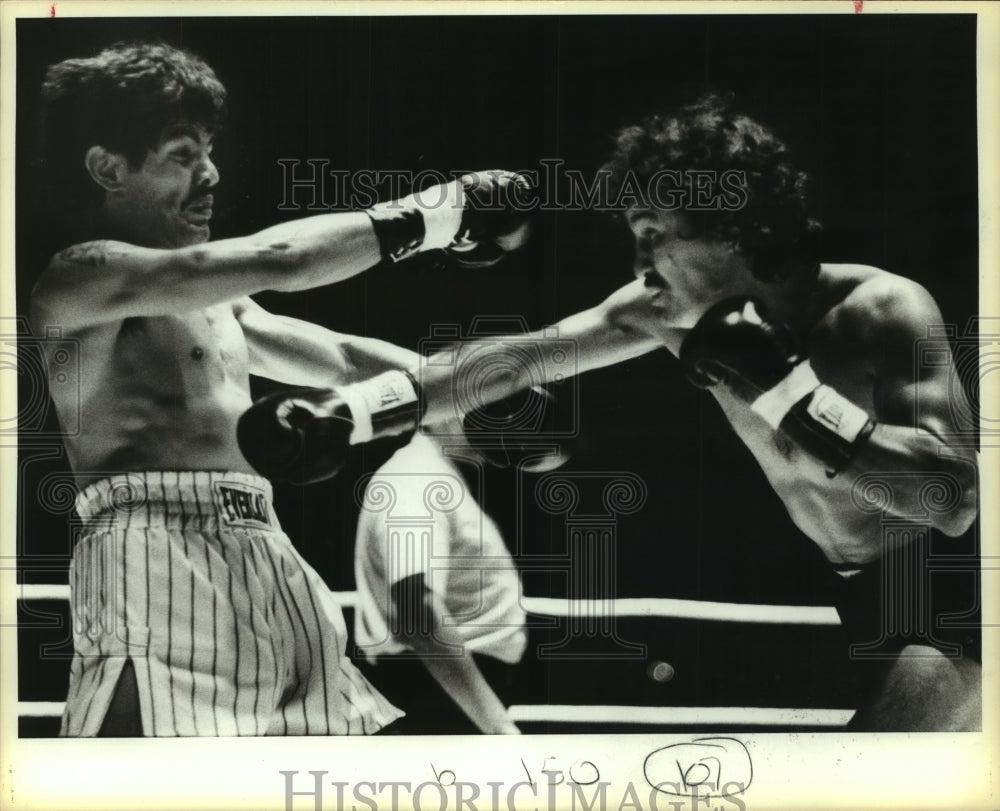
192, 612
253, 642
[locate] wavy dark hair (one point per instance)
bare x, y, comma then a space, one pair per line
773, 230
124, 99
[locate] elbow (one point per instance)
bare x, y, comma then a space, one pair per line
957, 522
282, 264
190, 262
272, 266
952, 498
175, 271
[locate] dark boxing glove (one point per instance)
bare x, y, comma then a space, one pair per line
494, 219
303, 436
762, 362
298, 436
526, 430
477, 219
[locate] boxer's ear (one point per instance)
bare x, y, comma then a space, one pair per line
107, 169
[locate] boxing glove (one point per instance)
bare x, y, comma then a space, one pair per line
303, 436
494, 218
516, 432
476, 219
762, 362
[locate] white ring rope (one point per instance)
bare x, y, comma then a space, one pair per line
602, 714
662, 607
684, 609
610, 714
722, 716
40, 709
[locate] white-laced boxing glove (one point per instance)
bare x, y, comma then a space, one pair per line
736, 344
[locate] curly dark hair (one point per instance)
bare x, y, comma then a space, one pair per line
773, 229
123, 99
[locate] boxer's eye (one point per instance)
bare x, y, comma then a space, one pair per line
188, 152
185, 157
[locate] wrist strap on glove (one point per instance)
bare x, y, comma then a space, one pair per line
817, 417
388, 404
421, 221
399, 230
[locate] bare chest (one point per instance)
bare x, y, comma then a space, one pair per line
190, 352
816, 503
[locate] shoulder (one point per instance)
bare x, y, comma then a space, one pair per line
83, 254
64, 268
54, 293
882, 306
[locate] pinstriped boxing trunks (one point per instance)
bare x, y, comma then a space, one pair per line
189, 576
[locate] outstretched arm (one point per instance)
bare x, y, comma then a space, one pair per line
278, 433
98, 283
301, 353
101, 282
621, 327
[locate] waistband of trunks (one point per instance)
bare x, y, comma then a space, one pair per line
185, 496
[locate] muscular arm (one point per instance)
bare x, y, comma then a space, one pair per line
297, 352
421, 614
914, 404
101, 282
621, 327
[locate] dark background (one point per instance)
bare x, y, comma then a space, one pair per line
880, 110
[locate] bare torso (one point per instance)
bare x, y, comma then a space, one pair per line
820, 506
159, 393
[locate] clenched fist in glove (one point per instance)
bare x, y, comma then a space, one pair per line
302, 436
476, 219
735, 344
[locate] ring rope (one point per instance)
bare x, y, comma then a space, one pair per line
664, 607
610, 714
601, 714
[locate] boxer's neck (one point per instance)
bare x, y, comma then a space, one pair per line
799, 301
